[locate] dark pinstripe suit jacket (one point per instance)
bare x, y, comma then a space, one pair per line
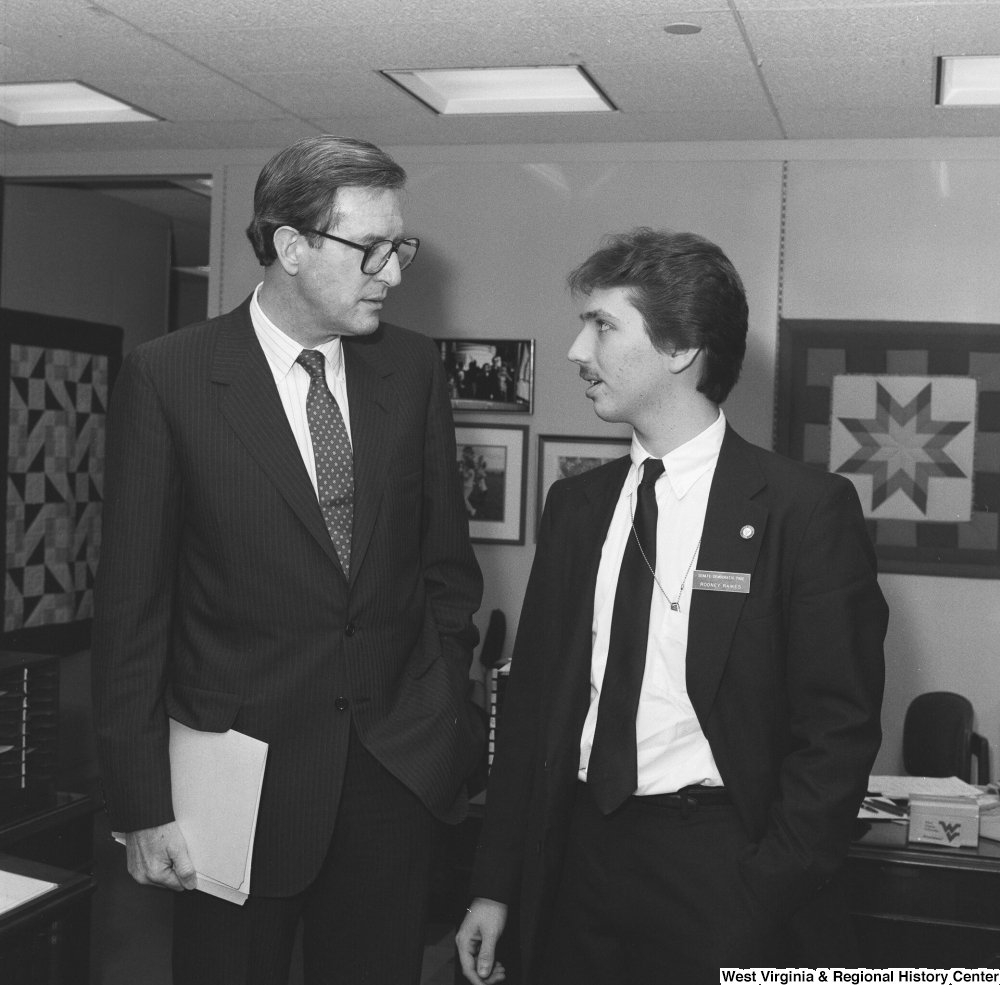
220, 601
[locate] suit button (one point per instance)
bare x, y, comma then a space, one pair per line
341, 704
349, 629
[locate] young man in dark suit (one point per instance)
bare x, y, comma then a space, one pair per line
693, 707
286, 554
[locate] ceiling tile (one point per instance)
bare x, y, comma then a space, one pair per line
95, 44
349, 18
887, 122
18, 67
190, 98
918, 31
820, 83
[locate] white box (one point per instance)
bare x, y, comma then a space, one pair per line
949, 821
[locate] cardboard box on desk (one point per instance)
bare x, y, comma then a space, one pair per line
950, 821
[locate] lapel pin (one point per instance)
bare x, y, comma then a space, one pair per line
746, 532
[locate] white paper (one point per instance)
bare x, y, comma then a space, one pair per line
882, 809
16, 889
902, 787
216, 779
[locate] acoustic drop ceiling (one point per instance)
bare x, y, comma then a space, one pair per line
260, 73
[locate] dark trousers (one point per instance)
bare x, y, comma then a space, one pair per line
363, 916
651, 893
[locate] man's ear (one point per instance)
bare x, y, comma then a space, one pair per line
288, 244
681, 359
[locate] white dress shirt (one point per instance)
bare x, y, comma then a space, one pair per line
292, 379
672, 750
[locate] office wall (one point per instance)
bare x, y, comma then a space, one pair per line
880, 229
78, 254
911, 241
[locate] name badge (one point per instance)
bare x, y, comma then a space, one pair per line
721, 581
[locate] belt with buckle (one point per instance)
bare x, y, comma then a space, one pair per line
687, 798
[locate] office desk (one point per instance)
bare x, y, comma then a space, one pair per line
60, 833
47, 939
920, 905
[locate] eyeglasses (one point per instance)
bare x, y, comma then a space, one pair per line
376, 256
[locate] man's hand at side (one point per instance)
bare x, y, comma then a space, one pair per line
477, 941
159, 857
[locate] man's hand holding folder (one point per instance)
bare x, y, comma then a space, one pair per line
215, 780
159, 857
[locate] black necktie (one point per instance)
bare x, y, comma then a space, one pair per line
612, 773
334, 457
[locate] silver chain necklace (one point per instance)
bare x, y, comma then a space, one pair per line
675, 606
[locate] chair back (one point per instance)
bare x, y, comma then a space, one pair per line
938, 739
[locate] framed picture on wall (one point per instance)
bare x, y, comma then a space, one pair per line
910, 413
490, 374
561, 456
492, 462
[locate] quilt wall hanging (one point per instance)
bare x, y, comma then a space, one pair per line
58, 373
910, 413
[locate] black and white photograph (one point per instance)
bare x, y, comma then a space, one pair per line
328, 329
490, 375
492, 465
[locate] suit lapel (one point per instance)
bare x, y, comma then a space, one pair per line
587, 529
372, 410
714, 614
254, 411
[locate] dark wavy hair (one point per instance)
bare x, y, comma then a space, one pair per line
687, 291
297, 187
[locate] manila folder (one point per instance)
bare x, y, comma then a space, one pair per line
216, 779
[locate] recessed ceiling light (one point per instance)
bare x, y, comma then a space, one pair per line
682, 28
968, 80
539, 89
33, 104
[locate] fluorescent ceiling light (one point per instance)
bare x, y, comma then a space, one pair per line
541, 89
33, 104
969, 80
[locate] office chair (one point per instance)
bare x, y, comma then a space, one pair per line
938, 739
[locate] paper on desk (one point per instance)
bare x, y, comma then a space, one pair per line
901, 787
216, 779
882, 809
17, 889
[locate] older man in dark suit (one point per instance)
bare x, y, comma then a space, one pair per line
286, 554
693, 707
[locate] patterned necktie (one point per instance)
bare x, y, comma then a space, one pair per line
334, 457
613, 774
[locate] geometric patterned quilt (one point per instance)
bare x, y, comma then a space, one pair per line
909, 412
56, 411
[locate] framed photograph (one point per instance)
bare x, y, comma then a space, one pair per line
490, 374
493, 465
560, 456
910, 413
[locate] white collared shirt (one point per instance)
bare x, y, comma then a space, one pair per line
292, 379
672, 750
